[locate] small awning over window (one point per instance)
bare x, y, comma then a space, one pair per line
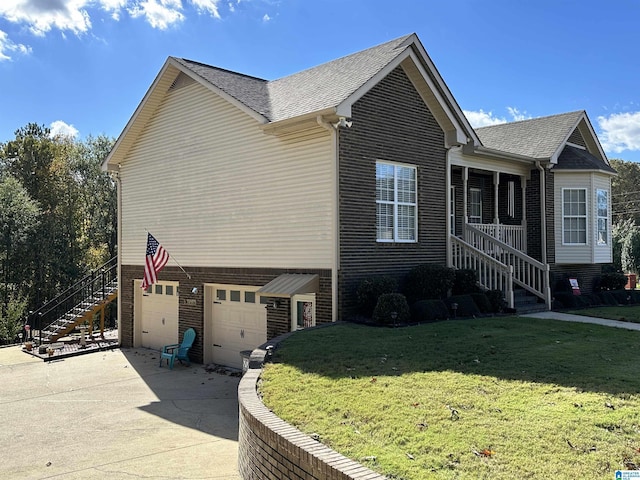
289, 284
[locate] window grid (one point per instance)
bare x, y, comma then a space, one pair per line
602, 217
475, 205
396, 203
574, 216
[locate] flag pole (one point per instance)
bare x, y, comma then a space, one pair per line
172, 257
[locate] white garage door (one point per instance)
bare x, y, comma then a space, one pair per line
160, 315
235, 320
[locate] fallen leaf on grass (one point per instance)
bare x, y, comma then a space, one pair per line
374, 380
608, 405
486, 452
410, 457
415, 404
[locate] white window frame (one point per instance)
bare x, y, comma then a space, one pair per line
567, 216
602, 241
511, 198
307, 297
397, 204
475, 218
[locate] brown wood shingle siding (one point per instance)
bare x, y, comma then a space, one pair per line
390, 123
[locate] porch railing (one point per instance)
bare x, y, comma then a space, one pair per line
492, 273
528, 272
512, 235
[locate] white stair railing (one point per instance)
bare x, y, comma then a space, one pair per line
528, 272
492, 274
512, 235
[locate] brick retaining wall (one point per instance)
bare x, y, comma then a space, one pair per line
270, 448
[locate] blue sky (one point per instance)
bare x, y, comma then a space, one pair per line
82, 66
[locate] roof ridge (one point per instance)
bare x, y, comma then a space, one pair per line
400, 40
544, 117
220, 69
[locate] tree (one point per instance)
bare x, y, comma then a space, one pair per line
11, 319
625, 191
18, 221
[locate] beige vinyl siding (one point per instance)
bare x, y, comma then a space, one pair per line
216, 191
591, 252
456, 157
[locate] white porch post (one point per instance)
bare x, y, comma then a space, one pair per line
523, 185
496, 185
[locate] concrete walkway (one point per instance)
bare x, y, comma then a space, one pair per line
567, 317
116, 415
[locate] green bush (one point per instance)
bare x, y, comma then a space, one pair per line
635, 296
623, 297
566, 300
612, 281
370, 289
427, 282
496, 298
482, 302
465, 282
388, 303
466, 306
607, 298
429, 311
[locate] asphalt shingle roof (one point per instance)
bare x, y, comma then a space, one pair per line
535, 138
573, 158
312, 90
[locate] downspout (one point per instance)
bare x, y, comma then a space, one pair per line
116, 176
543, 212
449, 258
336, 217
543, 235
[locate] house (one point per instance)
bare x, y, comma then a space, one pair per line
279, 197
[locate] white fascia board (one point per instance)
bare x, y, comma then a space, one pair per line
583, 170
121, 147
221, 93
453, 104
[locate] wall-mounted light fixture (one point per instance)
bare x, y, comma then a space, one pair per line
194, 290
275, 304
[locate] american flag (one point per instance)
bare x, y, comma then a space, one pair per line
157, 257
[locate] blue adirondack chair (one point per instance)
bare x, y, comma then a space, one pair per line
178, 351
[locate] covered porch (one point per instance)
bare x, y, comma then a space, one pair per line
492, 203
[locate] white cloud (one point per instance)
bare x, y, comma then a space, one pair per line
7, 47
62, 128
114, 7
159, 13
41, 16
266, 17
482, 118
620, 131
210, 6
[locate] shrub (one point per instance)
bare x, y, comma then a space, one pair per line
465, 282
607, 298
429, 311
388, 303
622, 296
466, 306
482, 302
612, 281
426, 282
635, 296
370, 289
496, 298
566, 300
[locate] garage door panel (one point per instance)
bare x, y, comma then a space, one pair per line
234, 326
159, 322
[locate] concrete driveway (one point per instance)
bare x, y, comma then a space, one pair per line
116, 415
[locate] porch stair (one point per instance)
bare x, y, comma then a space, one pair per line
76, 305
525, 302
500, 266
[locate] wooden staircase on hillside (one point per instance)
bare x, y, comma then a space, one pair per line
77, 304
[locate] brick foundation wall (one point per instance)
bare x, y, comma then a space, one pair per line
270, 448
586, 275
191, 314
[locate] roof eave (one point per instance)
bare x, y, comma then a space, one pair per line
493, 153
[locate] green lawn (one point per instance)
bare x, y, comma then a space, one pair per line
623, 313
494, 398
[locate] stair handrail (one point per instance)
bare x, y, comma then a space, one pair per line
491, 273
93, 284
529, 273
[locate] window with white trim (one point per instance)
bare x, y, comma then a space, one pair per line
511, 198
602, 217
574, 216
475, 205
396, 203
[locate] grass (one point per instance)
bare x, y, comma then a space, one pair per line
494, 398
621, 313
